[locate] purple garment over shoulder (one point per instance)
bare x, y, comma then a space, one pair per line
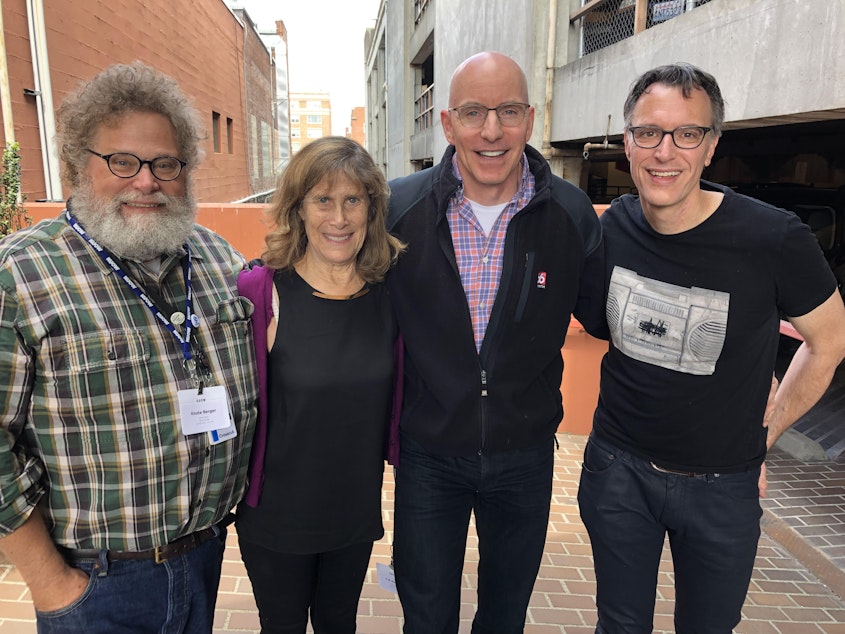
256, 284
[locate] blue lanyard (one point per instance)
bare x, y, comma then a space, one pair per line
190, 363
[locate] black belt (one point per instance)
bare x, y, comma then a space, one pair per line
686, 474
159, 554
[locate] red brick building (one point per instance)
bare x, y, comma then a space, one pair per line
356, 131
213, 52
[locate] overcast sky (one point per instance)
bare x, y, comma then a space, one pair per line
326, 47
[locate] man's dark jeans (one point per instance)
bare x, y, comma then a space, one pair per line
509, 492
713, 523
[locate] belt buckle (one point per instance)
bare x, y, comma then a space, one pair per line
159, 556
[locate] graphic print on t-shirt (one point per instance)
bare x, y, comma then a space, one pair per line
677, 328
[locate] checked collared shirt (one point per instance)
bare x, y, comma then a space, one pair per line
88, 398
480, 256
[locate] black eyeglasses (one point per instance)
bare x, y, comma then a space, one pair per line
125, 165
686, 137
510, 114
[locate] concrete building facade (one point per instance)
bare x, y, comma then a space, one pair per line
780, 63
214, 52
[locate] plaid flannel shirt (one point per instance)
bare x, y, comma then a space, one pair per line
88, 401
480, 256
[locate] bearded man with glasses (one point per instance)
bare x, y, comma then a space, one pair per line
129, 390
697, 279
499, 253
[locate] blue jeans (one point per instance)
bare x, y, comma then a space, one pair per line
713, 523
509, 492
174, 597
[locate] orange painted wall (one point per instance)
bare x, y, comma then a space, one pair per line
582, 355
242, 226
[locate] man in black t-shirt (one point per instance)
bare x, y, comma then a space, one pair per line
697, 277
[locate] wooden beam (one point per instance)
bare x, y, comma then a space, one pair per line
592, 4
640, 16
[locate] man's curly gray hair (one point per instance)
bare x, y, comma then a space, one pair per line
118, 90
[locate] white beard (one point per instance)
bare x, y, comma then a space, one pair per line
139, 237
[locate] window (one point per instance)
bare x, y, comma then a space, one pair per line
215, 130
230, 135
294, 119
294, 147
315, 133
295, 133
315, 119
315, 105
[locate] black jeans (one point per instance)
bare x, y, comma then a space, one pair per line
713, 524
287, 587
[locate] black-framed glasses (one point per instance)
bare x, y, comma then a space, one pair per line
687, 137
510, 114
125, 165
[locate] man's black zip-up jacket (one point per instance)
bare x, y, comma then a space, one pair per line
458, 401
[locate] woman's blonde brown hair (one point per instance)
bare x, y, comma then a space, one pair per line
326, 158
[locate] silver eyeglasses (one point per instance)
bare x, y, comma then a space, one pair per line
125, 165
510, 114
686, 137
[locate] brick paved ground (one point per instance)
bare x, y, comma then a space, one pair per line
798, 585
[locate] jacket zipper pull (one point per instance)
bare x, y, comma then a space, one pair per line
484, 383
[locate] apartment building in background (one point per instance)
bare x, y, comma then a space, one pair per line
310, 118
212, 50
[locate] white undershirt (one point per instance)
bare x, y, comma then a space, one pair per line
487, 215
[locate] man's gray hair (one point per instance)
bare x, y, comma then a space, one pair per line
119, 90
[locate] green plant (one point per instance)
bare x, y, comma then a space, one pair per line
13, 214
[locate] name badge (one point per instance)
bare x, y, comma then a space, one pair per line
206, 412
217, 436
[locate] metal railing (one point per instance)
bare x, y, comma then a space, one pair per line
419, 9
606, 22
424, 105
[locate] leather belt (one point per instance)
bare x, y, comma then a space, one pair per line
686, 474
159, 554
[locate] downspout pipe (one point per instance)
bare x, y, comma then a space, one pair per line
546, 146
5, 90
43, 94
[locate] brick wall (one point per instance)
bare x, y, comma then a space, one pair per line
200, 43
